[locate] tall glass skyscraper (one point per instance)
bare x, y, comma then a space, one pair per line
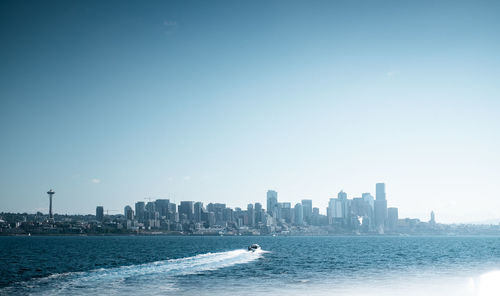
308, 209
272, 201
380, 191
380, 207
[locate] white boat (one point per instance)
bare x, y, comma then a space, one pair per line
254, 247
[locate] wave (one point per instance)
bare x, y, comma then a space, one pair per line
119, 277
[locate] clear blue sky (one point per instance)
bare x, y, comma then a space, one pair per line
110, 102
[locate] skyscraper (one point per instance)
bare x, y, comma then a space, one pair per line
187, 208
258, 212
392, 218
99, 213
380, 207
272, 201
172, 212
334, 210
139, 211
368, 198
251, 215
161, 206
128, 213
380, 191
198, 210
299, 214
150, 212
307, 208
286, 212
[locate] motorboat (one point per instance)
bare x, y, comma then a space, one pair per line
254, 247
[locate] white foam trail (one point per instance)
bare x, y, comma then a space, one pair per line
95, 280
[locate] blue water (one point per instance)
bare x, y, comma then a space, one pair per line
163, 265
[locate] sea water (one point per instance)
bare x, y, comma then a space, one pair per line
182, 265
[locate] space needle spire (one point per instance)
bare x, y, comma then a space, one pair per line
50, 193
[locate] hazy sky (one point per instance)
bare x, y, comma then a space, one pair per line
110, 102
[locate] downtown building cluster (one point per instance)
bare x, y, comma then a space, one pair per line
364, 214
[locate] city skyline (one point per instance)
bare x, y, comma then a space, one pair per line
365, 214
378, 204
323, 210
108, 102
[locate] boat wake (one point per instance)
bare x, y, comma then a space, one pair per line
127, 277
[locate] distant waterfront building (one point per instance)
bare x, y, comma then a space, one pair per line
380, 191
392, 218
198, 210
367, 197
299, 214
251, 215
315, 219
161, 206
334, 210
380, 214
272, 201
128, 213
172, 212
228, 215
150, 207
307, 208
99, 213
151, 215
380, 207
346, 207
187, 208
140, 207
286, 212
218, 210
433, 219
258, 212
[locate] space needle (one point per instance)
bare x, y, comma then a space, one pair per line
50, 193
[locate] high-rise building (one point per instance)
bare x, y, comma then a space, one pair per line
251, 215
151, 215
299, 214
380, 214
227, 214
128, 213
345, 204
150, 207
172, 212
380, 209
258, 207
99, 213
380, 191
307, 208
433, 219
258, 212
334, 210
198, 209
218, 210
272, 201
392, 218
367, 197
187, 208
286, 212
139, 211
161, 206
